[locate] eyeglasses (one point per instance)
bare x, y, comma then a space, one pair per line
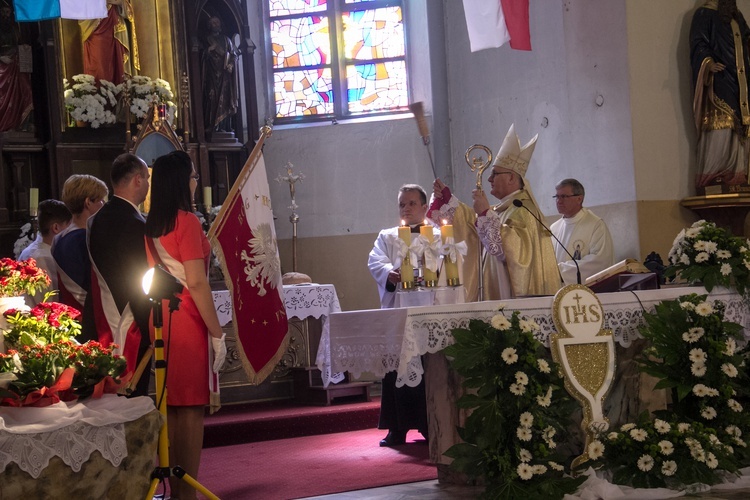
565, 196
493, 173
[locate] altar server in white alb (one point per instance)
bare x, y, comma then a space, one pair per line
585, 235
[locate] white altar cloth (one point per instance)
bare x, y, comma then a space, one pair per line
301, 301
30, 437
383, 340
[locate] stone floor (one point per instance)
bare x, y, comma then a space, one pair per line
432, 490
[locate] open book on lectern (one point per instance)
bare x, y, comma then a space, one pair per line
628, 274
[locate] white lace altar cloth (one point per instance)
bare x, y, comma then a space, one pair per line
301, 301
30, 437
382, 340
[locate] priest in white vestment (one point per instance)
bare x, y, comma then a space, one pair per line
584, 235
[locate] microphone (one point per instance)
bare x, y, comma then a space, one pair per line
519, 203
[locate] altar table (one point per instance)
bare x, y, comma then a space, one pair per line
98, 448
383, 340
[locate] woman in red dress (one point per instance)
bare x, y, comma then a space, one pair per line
175, 239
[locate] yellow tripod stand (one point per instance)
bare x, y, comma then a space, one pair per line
164, 470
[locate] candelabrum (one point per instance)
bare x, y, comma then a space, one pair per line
292, 178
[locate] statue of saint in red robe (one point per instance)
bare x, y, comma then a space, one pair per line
15, 87
110, 47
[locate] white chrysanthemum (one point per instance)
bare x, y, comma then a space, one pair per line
704, 309
509, 355
712, 392
723, 254
685, 259
661, 426
729, 369
646, 463
746, 263
543, 365
700, 245
696, 330
733, 431
595, 449
518, 389
713, 439
666, 447
698, 369
540, 469
682, 428
669, 467
697, 355
708, 413
523, 434
546, 400
549, 432
726, 269
500, 322
556, 466
638, 435
687, 306
731, 347
701, 257
690, 338
711, 247
700, 390
613, 435
525, 471
522, 378
524, 325
526, 419
711, 461
734, 405
524, 455
627, 427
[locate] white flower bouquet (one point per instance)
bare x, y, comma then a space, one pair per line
144, 91
709, 254
694, 353
520, 410
89, 102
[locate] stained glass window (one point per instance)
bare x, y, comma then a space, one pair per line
337, 58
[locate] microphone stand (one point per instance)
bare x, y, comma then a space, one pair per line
519, 203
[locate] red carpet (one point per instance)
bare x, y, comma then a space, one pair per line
313, 465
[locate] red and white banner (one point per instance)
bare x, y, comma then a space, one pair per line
492, 23
243, 238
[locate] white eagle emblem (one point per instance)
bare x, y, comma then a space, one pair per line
263, 265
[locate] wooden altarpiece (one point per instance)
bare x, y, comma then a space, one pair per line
172, 43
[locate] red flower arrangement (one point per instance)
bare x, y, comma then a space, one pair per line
46, 365
19, 277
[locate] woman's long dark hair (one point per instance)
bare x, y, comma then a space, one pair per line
170, 192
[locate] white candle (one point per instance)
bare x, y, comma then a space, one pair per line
451, 267
33, 201
430, 276
207, 201
407, 269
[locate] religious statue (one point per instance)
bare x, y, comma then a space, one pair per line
110, 46
720, 59
15, 86
220, 96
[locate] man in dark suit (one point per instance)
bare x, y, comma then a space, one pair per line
118, 257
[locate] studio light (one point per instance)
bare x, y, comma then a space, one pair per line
158, 284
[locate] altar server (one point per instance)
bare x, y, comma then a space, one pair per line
402, 408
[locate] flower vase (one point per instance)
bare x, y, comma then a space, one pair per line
82, 124
5, 304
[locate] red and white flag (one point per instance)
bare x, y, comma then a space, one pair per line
244, 240
492, 23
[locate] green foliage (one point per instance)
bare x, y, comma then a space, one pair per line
518, 406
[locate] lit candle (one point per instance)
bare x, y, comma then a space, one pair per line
451, 267
407, 269
430, 276
207, 196
33, 201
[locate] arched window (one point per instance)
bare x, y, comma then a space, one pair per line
336, 59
